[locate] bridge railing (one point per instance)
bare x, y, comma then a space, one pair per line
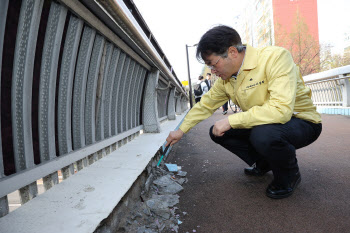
331, 90
78, 80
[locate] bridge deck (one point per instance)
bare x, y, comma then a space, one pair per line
220, 198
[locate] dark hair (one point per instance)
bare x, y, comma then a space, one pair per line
217, 40
200, 77
209, 74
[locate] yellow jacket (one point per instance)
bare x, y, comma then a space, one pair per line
269, 89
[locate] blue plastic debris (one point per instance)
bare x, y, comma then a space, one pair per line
171, 167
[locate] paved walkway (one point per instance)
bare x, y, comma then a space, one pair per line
220, 198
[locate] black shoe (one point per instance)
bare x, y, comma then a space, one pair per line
257, 169
276, 191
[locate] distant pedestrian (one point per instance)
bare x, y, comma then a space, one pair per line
225, 108
277, 116
208, 80
200, 89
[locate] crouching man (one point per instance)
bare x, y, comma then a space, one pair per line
278, 114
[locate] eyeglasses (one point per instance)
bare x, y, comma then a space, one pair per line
212, 67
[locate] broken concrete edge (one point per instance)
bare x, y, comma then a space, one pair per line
118, 216
88, 200
147, 209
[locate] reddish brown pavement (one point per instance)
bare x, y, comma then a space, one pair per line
220, 198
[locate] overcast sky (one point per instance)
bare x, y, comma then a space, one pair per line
177, 23
333, 22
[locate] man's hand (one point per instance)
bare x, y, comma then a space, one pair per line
221, 127
174, 137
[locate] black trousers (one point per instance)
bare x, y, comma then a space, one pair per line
225, 106
274, 143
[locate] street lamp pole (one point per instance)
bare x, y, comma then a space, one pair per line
189, 76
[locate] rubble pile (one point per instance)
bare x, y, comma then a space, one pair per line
156, 211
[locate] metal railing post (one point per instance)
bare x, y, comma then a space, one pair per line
171, 105
178, 109
346, 91
150, 106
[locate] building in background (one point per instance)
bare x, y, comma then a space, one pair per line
292, 24
347, 43
263, 20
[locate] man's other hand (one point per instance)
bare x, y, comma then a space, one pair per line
174, 137
221, 127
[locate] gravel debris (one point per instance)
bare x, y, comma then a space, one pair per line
156, 211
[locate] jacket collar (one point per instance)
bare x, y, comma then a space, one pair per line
251, 58
250, 62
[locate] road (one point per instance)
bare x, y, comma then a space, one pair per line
219, 197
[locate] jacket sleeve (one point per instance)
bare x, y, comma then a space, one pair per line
282, 77
209, 103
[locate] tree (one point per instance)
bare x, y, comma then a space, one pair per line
303, 47
326, 57
331, 61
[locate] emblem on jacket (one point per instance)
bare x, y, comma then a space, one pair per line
255, 84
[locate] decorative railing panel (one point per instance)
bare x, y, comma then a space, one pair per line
71, 80
330, 88
91, 89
